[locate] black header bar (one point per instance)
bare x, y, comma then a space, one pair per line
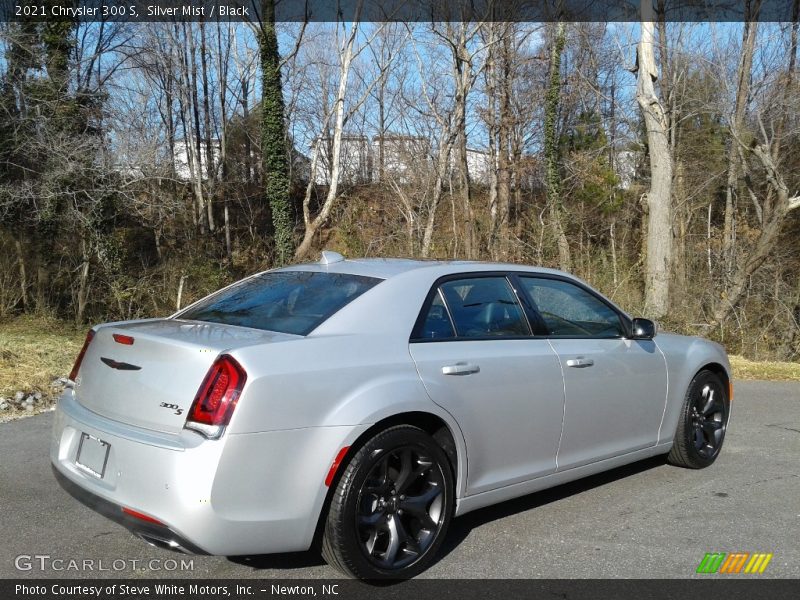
746, 587
392, 10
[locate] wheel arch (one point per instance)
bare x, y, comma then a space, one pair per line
721, 372
446, 434
724, 375
685, 358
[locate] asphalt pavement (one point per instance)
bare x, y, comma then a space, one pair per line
647, 520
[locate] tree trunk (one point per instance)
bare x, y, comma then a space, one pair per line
42, 280
197, 138
248, 150
506, 139
83, 286
273, 138
551, 148
465, 192
171, 139
614, 268
462, 74
659, 201
179, 299
500, 81
768, 237
23, 280
491, 77
336, 150
777, 202
210, 167
157, 241
742, 94
679, 229
382, 131
442, 164
788, 83
505, 135
222, 71
191, 123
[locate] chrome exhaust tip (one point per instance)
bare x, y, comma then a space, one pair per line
163, 543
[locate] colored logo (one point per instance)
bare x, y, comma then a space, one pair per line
734, 562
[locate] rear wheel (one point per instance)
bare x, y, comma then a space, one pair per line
702, 424
391, 508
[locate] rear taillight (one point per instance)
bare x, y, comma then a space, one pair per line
74, 373
213, 405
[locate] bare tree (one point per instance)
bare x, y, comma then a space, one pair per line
743, 75
502, 54
384, 50
659, 198
551, 147
451, 120
342, 111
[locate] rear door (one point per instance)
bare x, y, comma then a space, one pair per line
615, 387
476, 355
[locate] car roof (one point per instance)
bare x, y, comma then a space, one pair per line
386, 268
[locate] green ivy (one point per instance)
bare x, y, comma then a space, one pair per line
273, 134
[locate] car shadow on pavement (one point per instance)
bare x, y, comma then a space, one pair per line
461, 527
287, 560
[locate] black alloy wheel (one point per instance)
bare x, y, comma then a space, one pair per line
391, 508
703, 423
708, 421
400, 507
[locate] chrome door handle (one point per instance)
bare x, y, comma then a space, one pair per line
461, 369
580, 362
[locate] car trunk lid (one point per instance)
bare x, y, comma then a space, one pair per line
149, 375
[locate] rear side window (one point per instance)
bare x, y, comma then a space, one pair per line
284, 301
437, 324
475, 307
484, 306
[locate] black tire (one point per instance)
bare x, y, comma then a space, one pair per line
391, 507
702, 423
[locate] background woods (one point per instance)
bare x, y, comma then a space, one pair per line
145, 165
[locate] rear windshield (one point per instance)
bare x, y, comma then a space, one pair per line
285, 301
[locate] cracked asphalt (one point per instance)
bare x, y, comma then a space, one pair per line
647, 520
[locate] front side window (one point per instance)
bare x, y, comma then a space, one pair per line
484, 307
570, 311
285, 301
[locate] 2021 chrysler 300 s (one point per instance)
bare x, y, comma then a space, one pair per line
365, 403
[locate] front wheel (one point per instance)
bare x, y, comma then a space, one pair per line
702, 424
391, 508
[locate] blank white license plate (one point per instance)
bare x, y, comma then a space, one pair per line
92, 455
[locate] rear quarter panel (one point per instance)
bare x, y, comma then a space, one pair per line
324, 382
354, 370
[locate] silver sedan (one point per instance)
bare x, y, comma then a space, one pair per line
363, 404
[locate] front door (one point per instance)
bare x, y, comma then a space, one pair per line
615, 387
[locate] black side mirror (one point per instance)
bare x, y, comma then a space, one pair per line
643, 329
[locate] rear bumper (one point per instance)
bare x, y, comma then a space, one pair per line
248, 493
159, 535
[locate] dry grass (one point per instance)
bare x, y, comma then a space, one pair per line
769, 371
34, 351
